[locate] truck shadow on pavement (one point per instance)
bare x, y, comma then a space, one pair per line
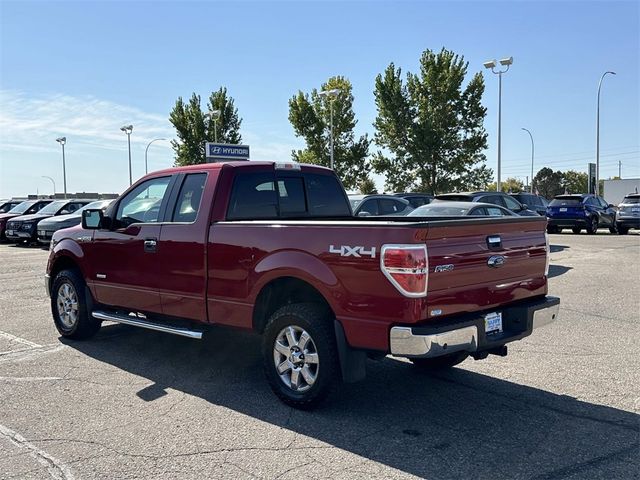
457, 424
557, 270
558, 248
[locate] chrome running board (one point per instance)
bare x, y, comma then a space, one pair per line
138, 322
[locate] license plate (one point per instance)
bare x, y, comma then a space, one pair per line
41, 233
563, 209
9, 232
493, 322
635, 209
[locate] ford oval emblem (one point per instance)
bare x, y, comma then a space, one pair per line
496, 261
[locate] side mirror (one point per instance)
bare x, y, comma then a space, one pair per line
93, 219
525, 206
611, 205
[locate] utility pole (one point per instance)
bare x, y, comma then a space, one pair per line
620, 169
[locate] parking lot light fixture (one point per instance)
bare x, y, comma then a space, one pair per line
598, 134
532, 147
146, 168
62, 141
331, 94
128, 129
491, 64
215, 116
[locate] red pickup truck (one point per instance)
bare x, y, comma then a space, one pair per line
274, 248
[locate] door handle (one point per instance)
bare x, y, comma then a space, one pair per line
150, 245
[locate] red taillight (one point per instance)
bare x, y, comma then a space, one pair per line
406, 267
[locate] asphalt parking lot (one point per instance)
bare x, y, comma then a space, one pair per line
564, 404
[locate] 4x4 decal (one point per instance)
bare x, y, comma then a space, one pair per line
357, 251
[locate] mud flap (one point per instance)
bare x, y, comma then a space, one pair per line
352, 361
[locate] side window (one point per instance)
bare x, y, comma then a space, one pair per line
603, 202
326, 196
478, 211
370, 207
495, 199
389, 207
142, 204
592, 202
291, 196
417, 201
495, 212
253, 197
188, 204
511, 203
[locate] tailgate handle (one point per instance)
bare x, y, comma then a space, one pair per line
494, 241
150, 245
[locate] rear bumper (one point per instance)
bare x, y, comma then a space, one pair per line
467, 333
630, 222
567, 222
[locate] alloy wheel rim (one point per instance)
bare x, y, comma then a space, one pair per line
296, 358
67, 303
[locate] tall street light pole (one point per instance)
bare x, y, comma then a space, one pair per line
54, 184
62, 141
331, 94
215, 115
598, 135
128, 129
532, 149
491, 64
146, 168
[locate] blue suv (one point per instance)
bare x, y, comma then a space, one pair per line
580, 211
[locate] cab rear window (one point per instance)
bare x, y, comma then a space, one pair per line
262, 195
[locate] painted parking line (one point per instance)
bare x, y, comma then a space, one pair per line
55, 467
14, 339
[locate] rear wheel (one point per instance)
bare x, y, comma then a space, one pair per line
622, 230
300, 355
440, 363
592, 225
71, 316
552, 229
576, 230
613, 228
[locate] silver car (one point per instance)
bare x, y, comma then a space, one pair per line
48, 226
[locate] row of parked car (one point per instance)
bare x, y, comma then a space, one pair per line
574, 211
34, 221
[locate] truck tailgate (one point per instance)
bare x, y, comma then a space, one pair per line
480, 266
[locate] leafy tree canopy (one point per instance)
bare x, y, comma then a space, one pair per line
430, 126
310, 115
194, 127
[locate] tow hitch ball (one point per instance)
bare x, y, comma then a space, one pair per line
500, 351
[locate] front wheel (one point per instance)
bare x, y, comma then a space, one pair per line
300, 355
440, 363
592, 225
576, 230
622, 230
552, 229
71, 316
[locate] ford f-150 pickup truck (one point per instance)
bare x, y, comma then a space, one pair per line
274, 248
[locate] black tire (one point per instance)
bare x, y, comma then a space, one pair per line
576, 230
622, 230
440, 363
552, 229
316, 321
613, 228
592, 225
75, 323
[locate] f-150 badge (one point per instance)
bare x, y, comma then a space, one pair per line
357, 251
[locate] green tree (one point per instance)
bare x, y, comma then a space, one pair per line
367, 186
548, 183
575, 182
310, 116
510, 185
195, 127
431, 127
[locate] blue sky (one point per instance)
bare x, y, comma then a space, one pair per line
84, 69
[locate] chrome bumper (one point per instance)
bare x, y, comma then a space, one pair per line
47, 284
404, 342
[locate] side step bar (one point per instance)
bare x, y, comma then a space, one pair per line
138, 322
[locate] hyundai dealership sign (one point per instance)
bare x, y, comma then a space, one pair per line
226, 151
